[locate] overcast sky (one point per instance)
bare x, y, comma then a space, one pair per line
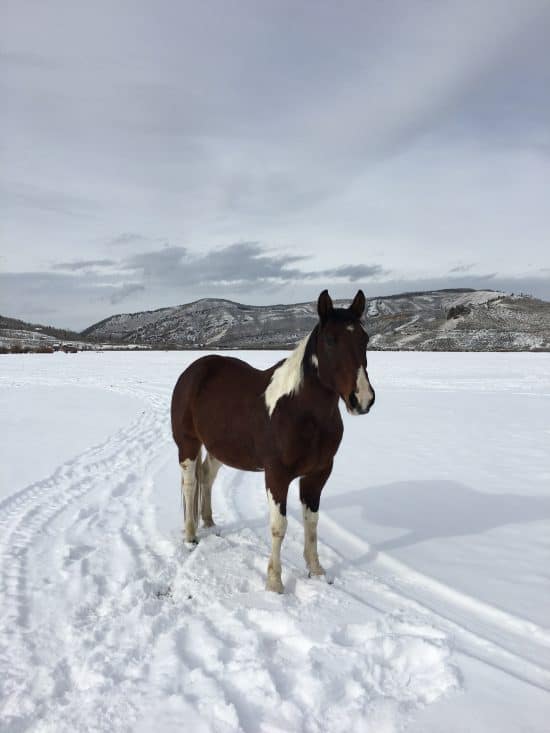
153, 153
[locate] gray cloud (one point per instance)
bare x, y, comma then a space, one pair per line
462, 268
45, 199
83, 264
240, 262
355, 272
246, 264
129, 238
122, 292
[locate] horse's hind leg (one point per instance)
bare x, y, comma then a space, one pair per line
189, 456
209, 470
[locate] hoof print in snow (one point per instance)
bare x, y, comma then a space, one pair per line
165, 592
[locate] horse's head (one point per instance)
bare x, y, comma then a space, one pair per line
341, 357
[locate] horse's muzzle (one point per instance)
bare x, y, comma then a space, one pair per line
354, 407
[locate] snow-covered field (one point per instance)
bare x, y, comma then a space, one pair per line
435, 528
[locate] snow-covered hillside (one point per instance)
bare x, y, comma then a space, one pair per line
441, 320
210, 322
434, 529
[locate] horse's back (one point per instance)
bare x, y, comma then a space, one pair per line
206, 368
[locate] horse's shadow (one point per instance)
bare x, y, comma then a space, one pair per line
437, 508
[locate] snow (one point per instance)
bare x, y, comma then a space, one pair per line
434, 529
30, 410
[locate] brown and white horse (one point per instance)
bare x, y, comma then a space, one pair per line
284, 421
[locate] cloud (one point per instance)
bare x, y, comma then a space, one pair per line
242, 264
129, 238
355, 272
462, 268
237, 263
30, 197
83, 265
124, 291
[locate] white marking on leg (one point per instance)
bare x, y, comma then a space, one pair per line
189, 489
287, 378
363, 390
278, 524
310, 541
209, 470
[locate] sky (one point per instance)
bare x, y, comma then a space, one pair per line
154, 153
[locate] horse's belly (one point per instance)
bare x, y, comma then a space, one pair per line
230, 445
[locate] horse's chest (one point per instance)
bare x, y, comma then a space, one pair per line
308, 445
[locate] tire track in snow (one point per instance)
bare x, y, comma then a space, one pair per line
432, 591
35, 559
512, 645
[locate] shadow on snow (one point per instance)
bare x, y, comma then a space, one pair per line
437, 508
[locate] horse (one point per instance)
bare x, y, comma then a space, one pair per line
284, 421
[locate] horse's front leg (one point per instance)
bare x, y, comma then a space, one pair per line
277, 490
310, 496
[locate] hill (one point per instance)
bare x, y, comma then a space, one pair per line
441, 320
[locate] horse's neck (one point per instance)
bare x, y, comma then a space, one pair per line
317, 395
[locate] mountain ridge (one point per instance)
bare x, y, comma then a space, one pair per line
451, 319
448, 319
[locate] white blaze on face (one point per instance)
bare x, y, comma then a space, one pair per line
363, 390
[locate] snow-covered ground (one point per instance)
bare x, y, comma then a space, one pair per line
435, 528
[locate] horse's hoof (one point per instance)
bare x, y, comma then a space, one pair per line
208, 522
274, 585
316, 572
192, 543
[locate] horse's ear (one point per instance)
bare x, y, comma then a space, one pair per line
358, 305
324, 306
